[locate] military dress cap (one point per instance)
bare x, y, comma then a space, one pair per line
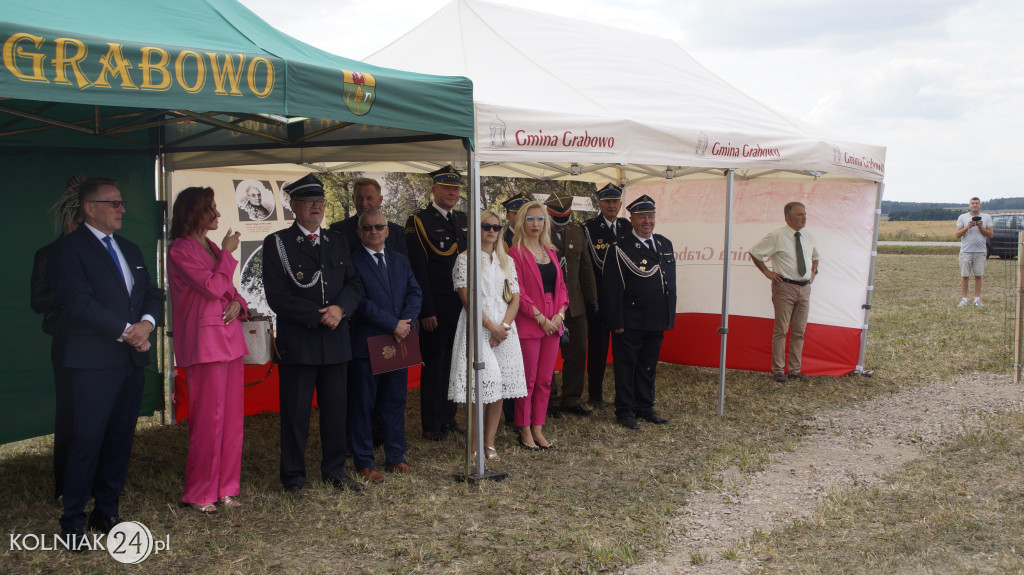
308, 187
515, 202
446, 176
559, 205
641, 205
609, 192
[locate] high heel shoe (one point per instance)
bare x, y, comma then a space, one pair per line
229, 502
492, 453
205, 509
525, 446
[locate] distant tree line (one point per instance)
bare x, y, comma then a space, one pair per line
925, 215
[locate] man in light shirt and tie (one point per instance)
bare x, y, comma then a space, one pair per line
111, 306
794, 257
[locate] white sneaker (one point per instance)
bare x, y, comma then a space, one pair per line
977, 302
963, 303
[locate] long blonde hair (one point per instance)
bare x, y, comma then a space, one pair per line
499, 245
519, 233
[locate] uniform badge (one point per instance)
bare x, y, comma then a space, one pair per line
636, 245
599, 241
300, 238
643, 262
643, 268
442, 245
570, 245
298, 276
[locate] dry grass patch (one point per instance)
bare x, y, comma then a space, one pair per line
941, 231
602, 500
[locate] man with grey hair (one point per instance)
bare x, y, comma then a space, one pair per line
791, 250
973, 229
367, 195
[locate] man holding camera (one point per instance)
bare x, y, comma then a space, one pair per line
973, 228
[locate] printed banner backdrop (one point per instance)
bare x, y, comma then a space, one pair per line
840, 216
250, 201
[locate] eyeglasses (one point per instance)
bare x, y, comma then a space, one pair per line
535, 218
490, 227
113, 203
371, 227
316, 203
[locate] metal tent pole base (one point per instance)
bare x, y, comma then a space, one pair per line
477, 477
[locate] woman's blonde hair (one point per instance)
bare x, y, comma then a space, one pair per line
519, 233
499, 246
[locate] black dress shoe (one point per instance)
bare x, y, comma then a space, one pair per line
653, 417
599, 405
628, 423
800, 375
454, 428
578, 410
433, 435
343, 481
294, 491
527, 447
102, 523
75, 539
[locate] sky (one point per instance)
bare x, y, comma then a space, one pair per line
939, 83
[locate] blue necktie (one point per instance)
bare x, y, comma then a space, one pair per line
113, 254
380, 264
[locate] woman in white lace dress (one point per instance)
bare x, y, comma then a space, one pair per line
503, 375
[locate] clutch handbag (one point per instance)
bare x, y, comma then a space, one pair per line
506, 292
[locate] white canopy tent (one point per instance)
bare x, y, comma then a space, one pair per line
558, 98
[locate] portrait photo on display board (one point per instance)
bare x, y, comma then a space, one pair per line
255, 201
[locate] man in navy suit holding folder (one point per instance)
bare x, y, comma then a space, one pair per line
111, 306
390, 304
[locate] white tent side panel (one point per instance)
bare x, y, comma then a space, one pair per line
691, 214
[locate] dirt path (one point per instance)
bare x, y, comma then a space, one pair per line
855, 446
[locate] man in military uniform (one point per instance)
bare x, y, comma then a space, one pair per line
314, 289
512, 206
639, 304
366, 195
574, 257
601, 232
434, 236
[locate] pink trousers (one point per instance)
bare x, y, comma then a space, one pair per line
539, 356
215, 417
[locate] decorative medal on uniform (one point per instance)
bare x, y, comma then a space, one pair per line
570, 245
298, 276
442, 245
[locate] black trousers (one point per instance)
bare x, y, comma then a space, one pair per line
63, 417
436, 412
597, 356
296, 390
636, 365
106, 407
574, 363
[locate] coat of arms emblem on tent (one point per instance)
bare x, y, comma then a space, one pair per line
360, 92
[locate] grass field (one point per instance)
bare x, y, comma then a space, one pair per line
604, 498
943, 231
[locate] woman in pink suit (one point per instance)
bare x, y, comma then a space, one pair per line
209, 345
542, 304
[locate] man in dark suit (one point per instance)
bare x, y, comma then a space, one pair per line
435, 235
111, 308
601, 231
574, 257
366, 195
389, 306
639, 304
512, 206
313, 288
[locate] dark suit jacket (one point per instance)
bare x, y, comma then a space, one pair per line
301, 338
574, 256
384, 303
634, 302
349, 228
434, 245
600, 238
96, 301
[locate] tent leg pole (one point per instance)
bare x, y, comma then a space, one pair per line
165, 356
726, 269
871, 285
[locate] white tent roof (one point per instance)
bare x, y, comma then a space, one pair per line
554, 91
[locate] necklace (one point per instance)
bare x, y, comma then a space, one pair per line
539, 255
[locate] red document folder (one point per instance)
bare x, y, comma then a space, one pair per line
388, 355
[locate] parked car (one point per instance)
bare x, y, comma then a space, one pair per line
1005, 230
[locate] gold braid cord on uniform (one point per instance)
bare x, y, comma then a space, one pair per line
597, 261
422, 233
621, 257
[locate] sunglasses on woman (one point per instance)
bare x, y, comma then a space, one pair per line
490, 227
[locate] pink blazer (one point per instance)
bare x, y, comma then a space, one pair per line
201, 289
531, 290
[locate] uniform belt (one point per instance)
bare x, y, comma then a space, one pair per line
796, 283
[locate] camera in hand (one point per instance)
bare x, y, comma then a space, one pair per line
976, 218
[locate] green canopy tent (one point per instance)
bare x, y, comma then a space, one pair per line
133, 89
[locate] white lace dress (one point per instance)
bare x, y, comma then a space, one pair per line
503, 375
